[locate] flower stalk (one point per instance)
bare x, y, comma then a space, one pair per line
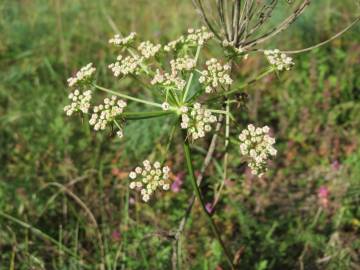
216, 232
138, 100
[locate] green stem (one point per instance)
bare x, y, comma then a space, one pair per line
226, 155
192, 74
145, 115
199, 197
128, 97
260, 76
242, 86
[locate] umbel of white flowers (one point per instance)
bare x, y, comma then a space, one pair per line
257, 145
80, 102
279, 60
148, 49
196, 120
126, 65
107, 112
215, 75
196, 37
149, 178
123, 41
84, 74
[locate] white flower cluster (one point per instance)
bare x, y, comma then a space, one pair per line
82, 76
199, 36
165, 106
182, 63
150, 177
256, 144
197, 121
196, 37
119, 41
79, 102
147, 49
215, 75
173, 79
279, 60
168, 80
238, 51
127, 65
173, 45
105, 113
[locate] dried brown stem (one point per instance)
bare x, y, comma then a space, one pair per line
281, 27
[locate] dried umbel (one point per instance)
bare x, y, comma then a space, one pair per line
257, 145
150, 177
242, 25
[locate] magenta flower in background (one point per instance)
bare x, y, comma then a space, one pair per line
132, 200
116, 236
178, 182
335, 165
323, 192
209, 208
323, 195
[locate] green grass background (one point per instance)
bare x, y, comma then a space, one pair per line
274, 223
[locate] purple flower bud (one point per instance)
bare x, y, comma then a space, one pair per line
209, 208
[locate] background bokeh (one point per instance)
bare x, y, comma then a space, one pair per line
303, 215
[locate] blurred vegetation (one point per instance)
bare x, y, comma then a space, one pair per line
50, 164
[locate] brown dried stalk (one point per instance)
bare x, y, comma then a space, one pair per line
243, 24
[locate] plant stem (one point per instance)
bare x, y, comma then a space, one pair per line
139, 100
244, 85
145, 115
192, 74
199, 197
226, 155
260, 76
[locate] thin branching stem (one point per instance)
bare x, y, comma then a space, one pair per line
139, 100
202, 203
326, 41
244, 85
